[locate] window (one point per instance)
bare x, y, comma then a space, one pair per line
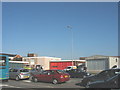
51, 72
61, 71
15, 70
54, 66
11, 70
44, 72
2, 61
24, 70
68, 67
103, 73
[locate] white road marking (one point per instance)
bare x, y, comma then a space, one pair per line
26, 81
2, 85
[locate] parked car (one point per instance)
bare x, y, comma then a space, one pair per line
54, 76
70, 67
103, 75
113, 82
76, 73
19, 73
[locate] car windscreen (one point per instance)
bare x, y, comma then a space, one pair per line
68, 67
103, 73
24, 70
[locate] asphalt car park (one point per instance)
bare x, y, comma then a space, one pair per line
72, 83
45, 78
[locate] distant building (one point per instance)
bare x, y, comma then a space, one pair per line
15, 61
62, 64
13, 57
98, 63
32, 55
17, 64
9, 55
83, 58
43, 61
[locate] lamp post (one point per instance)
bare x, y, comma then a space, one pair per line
69, 27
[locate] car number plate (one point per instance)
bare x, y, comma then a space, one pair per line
26, 76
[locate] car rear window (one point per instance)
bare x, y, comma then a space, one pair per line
24, 70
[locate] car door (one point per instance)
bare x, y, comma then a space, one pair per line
15, 72
49, 76
41, 76
11, 73
112, 82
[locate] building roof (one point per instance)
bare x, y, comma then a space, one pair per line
97, 57
10, 55
100, 57
115, 56
42, 57
66, 60
18, 62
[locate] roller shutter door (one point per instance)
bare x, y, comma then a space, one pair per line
99, 64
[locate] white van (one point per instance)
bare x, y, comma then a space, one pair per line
70, 67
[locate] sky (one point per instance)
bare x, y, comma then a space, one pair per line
41, 28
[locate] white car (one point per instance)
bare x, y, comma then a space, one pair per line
70, 67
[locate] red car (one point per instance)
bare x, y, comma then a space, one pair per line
54, 76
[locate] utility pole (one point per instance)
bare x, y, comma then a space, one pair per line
69, 27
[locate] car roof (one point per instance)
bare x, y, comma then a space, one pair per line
71, 66
53, 70
112, 69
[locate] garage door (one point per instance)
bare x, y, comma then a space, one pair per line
99, 64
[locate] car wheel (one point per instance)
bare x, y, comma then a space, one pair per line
55, 81
87, 86
31, 78
35, 80
17, 78
88, 83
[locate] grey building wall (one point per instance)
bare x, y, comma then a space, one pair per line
97, 63
100, 64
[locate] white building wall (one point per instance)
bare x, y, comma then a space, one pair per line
113, 61
118, 62
44, 61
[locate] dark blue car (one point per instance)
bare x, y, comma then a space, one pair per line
103, 75
113, 82
76, 73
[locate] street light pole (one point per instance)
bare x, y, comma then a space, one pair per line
71, 43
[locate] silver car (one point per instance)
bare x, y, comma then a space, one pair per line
19, 73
